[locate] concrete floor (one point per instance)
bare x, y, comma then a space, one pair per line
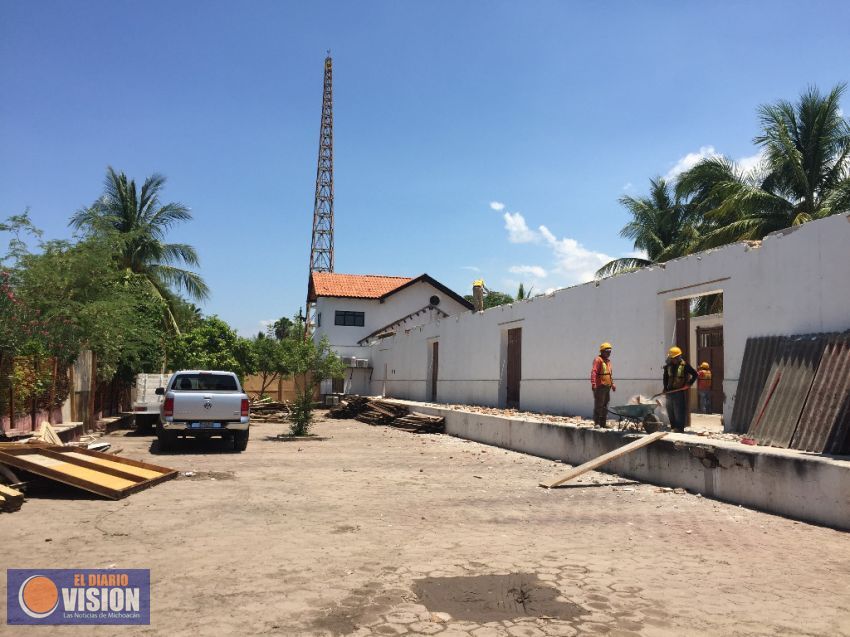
339, 535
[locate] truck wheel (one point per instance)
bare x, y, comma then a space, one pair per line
240, 440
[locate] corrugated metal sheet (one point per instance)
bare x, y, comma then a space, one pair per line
784, 394
824, 425
759, 355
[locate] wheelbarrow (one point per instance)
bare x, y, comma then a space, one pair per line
638, 416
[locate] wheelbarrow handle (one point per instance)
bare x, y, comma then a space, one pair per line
672, 391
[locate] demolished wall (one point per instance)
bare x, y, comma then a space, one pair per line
796, 281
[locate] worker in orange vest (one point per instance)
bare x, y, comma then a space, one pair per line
704, 387
602, 383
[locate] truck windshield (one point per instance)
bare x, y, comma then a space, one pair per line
204, 382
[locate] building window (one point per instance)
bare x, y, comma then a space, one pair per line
338, 386
353, 319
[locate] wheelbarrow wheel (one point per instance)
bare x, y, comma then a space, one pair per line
651, 423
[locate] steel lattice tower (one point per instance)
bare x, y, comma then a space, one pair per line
322, 245
322, 248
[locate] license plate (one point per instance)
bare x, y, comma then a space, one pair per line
205, 425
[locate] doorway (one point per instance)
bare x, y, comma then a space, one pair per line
710, 350
435, 362
513, 367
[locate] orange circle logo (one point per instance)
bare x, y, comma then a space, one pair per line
38, 596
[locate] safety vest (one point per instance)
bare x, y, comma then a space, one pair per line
704, 382
676, 375
603, 377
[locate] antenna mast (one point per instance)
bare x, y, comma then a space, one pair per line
322, 245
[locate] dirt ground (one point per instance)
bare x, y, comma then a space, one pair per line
371, 530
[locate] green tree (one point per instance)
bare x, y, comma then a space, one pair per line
282, 328
144, 223
805, 174
270, 360
213, 345
493, 299
661, 226
309, 363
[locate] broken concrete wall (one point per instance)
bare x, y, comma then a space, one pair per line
797, 281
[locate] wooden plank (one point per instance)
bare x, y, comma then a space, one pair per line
608, 457
10, 499
112, 464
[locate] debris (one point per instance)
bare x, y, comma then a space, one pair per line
48, 434
10, 499
98, 446
379, 412
679, 491
267, 410
748, 441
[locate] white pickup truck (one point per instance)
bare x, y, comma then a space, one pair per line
203, 404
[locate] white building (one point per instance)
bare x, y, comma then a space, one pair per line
353, 309
537, 354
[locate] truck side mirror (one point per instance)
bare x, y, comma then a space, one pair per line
160, 391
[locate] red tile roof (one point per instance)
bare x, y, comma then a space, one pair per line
358, 286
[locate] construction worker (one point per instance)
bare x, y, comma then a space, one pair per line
704, 387
678, 378
602, 383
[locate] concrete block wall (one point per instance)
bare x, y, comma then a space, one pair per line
796, 281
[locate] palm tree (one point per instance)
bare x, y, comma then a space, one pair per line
142, 223
661, 226
805, 173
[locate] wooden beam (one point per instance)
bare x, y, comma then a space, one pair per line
608, 457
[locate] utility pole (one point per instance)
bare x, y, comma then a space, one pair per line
322, 245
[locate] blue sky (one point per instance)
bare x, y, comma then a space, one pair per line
461, 128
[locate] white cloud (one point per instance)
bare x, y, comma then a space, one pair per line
497, 206
471, 267
518, 230
637, 254
690, 160
746, 164
575, 263
532, 270
628, 185
572, 262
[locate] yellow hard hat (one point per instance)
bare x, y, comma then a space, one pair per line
673, 352
704, 365
604, 346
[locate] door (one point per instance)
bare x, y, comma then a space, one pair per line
435, 360
683, 327
710, 350
514, 367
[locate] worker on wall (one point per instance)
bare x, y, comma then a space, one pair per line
678, 378
602, 383
704, 388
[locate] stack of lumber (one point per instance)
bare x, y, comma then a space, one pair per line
349, 407
10, 499
379, 412
421, 423
267, 410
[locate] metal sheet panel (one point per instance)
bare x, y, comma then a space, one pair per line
784, 395
759, 356
824, 425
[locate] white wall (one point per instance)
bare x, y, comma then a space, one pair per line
792, 283
377, 314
